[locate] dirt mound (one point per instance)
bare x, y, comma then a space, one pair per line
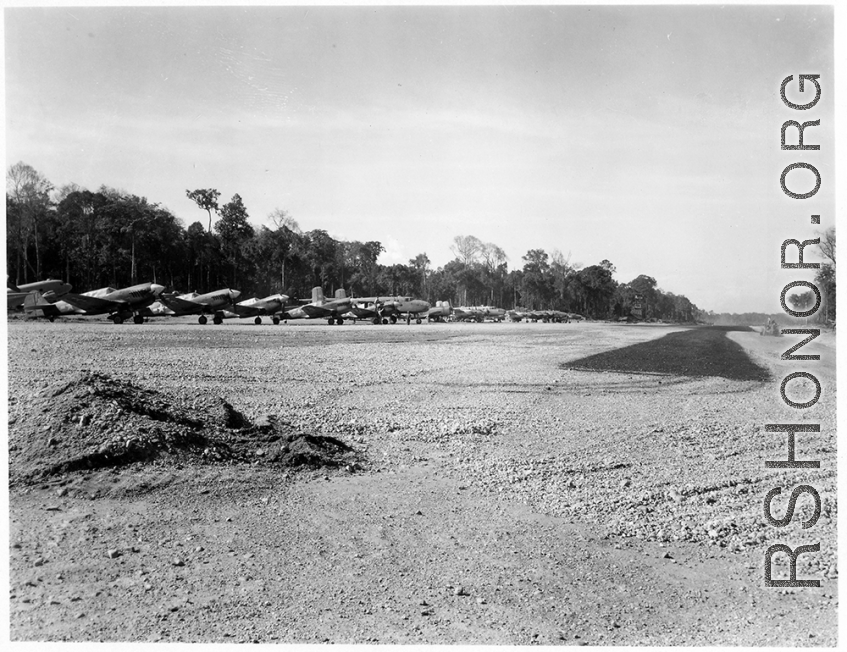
312, 450
95, 421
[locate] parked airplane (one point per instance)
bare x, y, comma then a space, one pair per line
333, 310
211, 303
440, 312
478, 313
270, 305
546, 316
51, 289
381, 310
118, 304
495, 314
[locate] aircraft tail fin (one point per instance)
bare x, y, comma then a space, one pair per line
34, 301
340, 294
317, 295
36, 304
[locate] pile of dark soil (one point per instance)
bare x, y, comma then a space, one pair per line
701, 351
95, 421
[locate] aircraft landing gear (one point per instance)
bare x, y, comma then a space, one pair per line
257, 321
393, 319
376, 321
339, 321
330, 321
137, 319
275, 320
217, 319
409, 319
418, 320
384, 320
117, 319
201, 320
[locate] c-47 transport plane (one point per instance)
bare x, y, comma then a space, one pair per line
118, 304
330, 309
381, 310
211, 303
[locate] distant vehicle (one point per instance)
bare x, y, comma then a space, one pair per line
118, 304
50, 289
333, 310
211, 303
440, 312
381, 310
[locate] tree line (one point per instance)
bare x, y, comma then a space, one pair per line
110, 237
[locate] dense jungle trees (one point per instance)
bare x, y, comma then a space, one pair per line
112, 237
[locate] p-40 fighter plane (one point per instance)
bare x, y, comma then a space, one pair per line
330, 309
50, 289
254, 307
465, 313
118, 304
211, 303
381, 310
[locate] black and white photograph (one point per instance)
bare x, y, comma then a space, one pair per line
372, 324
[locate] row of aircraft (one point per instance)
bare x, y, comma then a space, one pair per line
51, 299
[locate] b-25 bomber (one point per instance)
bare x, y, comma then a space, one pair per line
330, 309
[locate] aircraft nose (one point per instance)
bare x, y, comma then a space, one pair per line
157, 289
234, 294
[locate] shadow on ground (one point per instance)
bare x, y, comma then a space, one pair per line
701, 351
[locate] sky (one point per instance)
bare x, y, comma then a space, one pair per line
648, 136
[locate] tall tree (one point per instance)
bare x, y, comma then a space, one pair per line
536, 290
466, 248
420, 263
205, 198
282, 218
29, 191
234, 231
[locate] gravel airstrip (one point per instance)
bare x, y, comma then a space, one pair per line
582, 483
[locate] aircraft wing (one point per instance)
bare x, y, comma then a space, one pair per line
248, 311
15, 299
316, 311
35, 302
182, 306
92, 305
362, 312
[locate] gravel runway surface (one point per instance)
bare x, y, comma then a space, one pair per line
494, 483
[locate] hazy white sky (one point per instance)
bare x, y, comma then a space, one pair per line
648, 136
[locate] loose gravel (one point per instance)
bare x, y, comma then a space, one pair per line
385, 447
